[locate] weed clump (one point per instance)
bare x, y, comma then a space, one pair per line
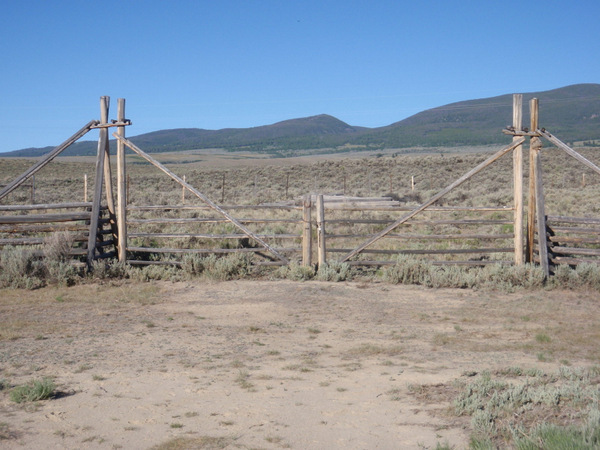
33, 391
544, 411
333, 271
19, 268
230, 267
296, 272
410, 270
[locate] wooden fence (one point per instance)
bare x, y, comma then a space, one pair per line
316, 229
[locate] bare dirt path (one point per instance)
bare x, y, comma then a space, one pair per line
261, 364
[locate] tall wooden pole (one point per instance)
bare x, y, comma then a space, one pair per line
97, 200
307, 231
121, 185
533, 108
535, 148
110, 199
518, 180
321, 250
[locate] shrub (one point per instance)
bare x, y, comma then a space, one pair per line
33, 391
296, 272
19, 268
408, 270
334, 271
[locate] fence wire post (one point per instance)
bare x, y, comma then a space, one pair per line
321, 250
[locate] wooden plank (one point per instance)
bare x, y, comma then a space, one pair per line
307, 232
575, 251
210, 236
575, 230
183, 220
45, 218
422, 222
578, 220
202, 197
456, 251
428, 237
391, 262
25, 228
208, 208
321, 244
121, 186
569, 150
574, 240
35, 240
45, 206
342, 207
203, 250
518, 181
435, 198
573, 261
45, 160
136, 262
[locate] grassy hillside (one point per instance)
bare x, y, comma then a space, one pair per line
571, 113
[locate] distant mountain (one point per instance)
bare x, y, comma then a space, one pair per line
571, 113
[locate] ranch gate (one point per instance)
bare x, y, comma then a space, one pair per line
318, 226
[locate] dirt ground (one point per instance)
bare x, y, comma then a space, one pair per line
268, 364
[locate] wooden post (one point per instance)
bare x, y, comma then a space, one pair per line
97, 200
518, 180
307, 232
583, 180
122, 190
85, 188
541, 212
33, 189
344, 184
535, 147
321, 249
533, 108
287, 184
412, 183
223, 189
183, 192
110, 200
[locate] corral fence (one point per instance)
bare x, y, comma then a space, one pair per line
317, 229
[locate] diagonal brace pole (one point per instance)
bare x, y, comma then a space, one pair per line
569, 150
201, 196
435, 198
46, 159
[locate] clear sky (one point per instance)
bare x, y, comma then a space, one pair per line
240, 63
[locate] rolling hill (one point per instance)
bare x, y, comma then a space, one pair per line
572, 113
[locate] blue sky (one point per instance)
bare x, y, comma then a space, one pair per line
224, 63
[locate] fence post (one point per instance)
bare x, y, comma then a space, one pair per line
321, 250
307, 232
183, 192
518, 180
535, 147
121, 185
85, 188
33, 189
97, 199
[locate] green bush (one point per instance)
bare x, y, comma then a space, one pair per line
33, 391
